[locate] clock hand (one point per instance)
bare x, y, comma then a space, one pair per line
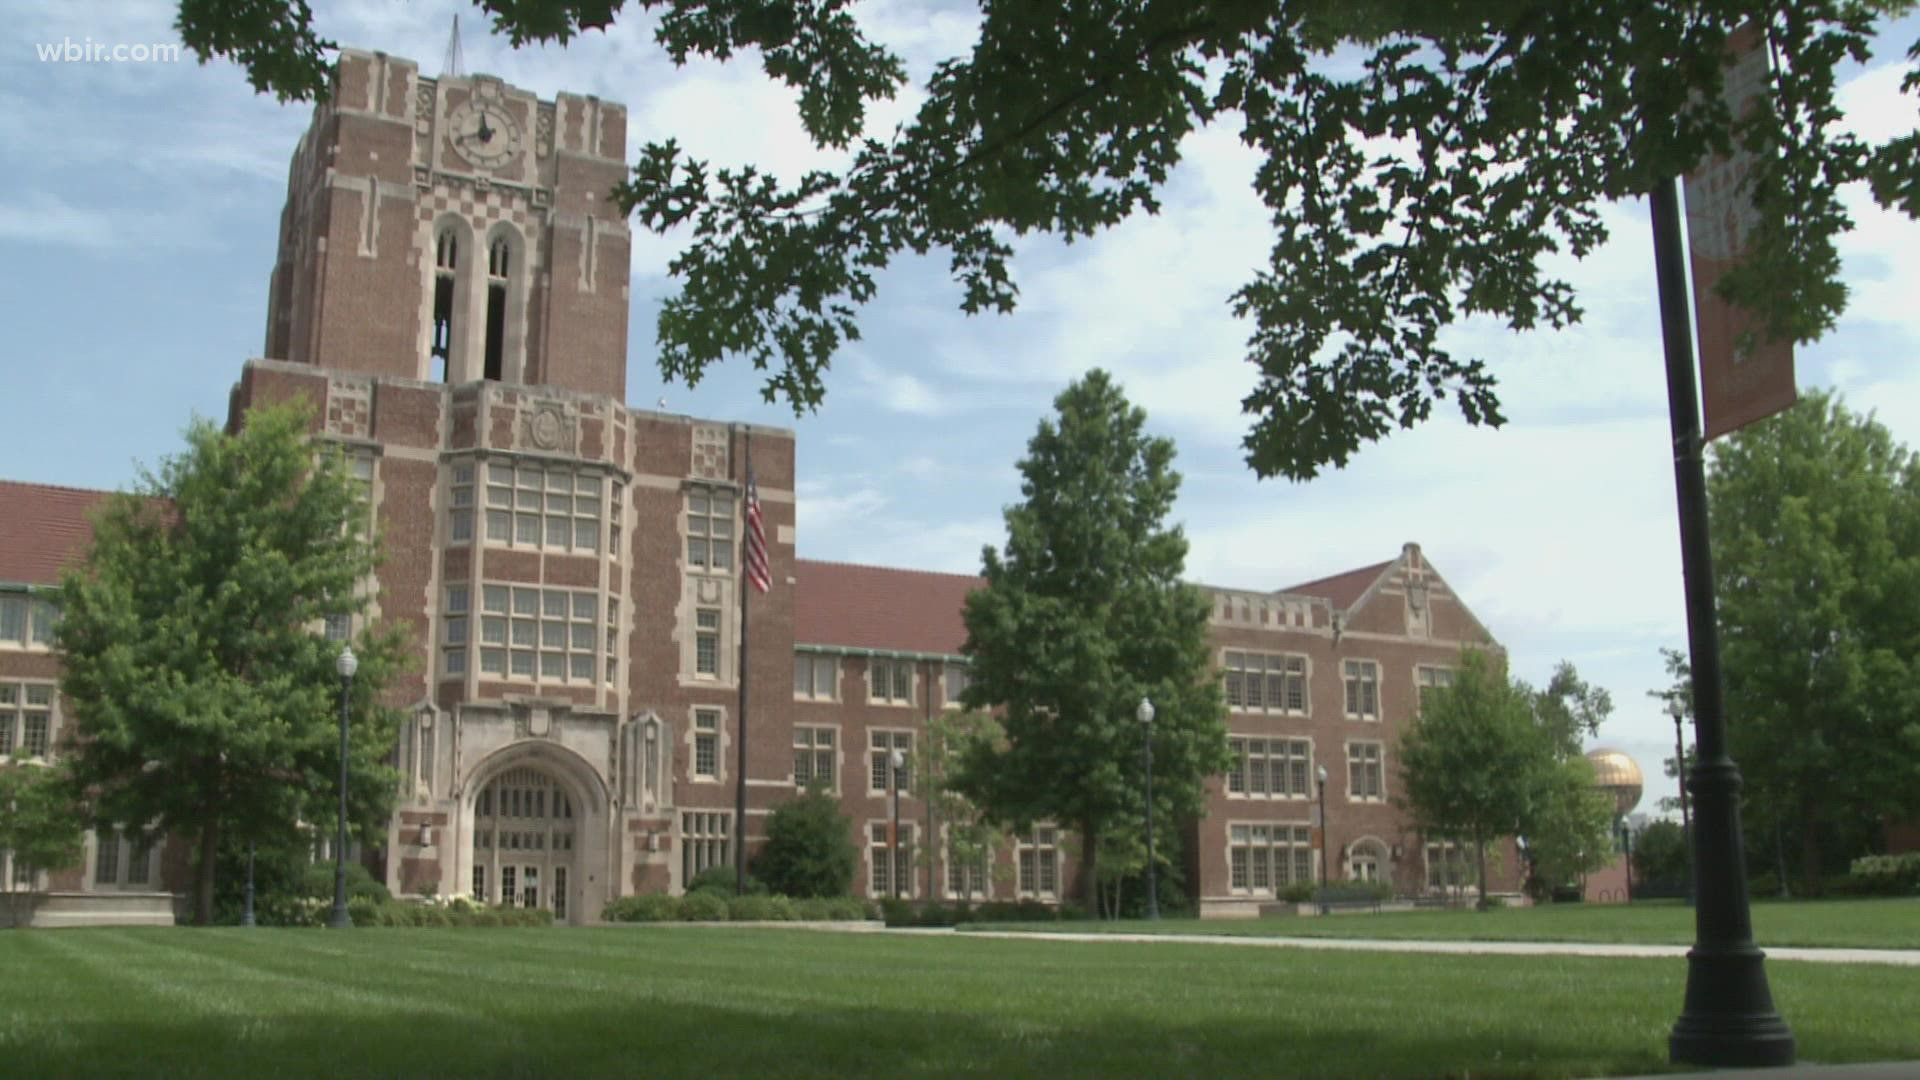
485, 132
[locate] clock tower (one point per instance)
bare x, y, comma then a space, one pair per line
452, 230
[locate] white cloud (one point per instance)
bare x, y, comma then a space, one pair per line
48, 219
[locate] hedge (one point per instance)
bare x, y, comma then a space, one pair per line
708, 907
1885, 875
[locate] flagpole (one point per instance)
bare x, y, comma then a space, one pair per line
740, 731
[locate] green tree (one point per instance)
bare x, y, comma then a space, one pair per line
1422, 162
1660, 853
1816, 534
970, 837
40, 824
809, 849
204, 700
1680, 690
1472, 760
1084, 614
1569, 821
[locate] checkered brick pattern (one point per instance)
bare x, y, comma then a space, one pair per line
482, 208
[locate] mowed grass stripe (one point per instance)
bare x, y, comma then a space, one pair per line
656, 1001
1850, 924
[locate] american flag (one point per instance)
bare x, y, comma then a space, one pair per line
756, 542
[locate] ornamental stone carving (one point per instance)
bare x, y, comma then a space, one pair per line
547, 425
710, 452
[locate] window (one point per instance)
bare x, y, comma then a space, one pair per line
337, 627
966, 874
499, 259
890, 681
1426, 679
446, 258
611, 665
1266, 858
26, 719
26, 621
890, 866
1259, 682
615, 515
552, 509
460, 505
106, 857
706, 642
706, 743
813, 757
1363, 689
880, 747
815, 677
1038, 855
1364, 859
954, 684
709, 528
554, 634
703, 843
1365, 781
1270, 768
139, 859
1447, 866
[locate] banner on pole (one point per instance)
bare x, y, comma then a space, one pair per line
1737, 387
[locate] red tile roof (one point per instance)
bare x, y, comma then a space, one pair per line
873, 607
42, 529
1342, 590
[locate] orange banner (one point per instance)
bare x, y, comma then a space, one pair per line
1736, 387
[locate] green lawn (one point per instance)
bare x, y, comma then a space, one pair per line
1854, 924
636, 1001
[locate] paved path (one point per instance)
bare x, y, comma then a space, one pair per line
1898, 957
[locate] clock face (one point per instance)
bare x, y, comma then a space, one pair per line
484, 134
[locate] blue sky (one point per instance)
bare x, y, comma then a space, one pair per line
138, 231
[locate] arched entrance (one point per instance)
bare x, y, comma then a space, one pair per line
524, 837
1365, 859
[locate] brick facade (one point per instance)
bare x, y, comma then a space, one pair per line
450, 294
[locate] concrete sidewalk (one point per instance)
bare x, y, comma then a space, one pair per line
1873, 1070
1896, 957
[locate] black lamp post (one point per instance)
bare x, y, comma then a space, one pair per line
1626, 849
895, 759
1679, 713
1145, 713
1326, 835
340, 920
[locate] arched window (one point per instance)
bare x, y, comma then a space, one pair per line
446, 260
1365, 861
499, 259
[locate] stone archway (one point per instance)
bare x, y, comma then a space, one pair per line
526, 842
1367, 860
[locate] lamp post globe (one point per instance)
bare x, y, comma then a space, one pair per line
346, 664
1145, 714
1320, 774
896, 760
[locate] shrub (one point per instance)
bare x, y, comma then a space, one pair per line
721, 880
703, 907
760, 909
317, 880
367, 911
1299, 892
649, 907
1885, 875
809, 849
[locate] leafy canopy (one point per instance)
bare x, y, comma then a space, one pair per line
1421, 160
40, 820
1083, 614
809, 849
1816, 536
204, 699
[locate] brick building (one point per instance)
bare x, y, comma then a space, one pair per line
451, 293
